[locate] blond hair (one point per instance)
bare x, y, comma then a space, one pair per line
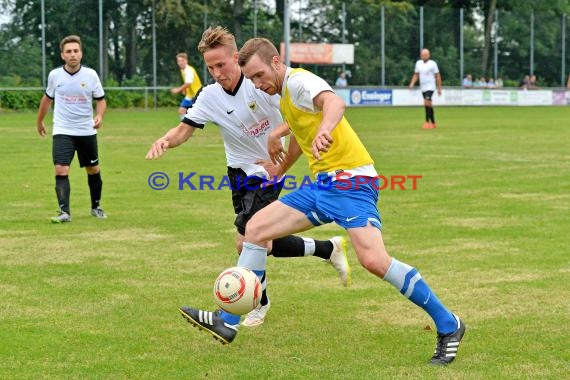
70, 39
216, 37
182, 55
264, 49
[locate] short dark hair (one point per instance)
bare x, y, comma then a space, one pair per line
70, 39
264, 49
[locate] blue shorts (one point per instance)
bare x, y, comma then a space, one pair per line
186, 103
349, 203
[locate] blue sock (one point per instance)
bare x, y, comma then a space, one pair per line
411, 284
253, 257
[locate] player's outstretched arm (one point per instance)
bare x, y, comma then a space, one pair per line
176, 136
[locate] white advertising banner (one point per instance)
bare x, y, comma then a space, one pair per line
482, 97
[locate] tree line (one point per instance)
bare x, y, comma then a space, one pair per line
127, 36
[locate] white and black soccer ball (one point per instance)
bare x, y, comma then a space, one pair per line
237, 290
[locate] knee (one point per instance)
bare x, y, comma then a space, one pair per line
252, 229
376, 263
92, 169
239, 246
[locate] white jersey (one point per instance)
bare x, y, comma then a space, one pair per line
245, 116
73, 95
427, 71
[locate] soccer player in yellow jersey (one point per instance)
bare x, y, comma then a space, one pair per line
345, 190
191, 83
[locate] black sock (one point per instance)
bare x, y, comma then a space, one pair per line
264, 299
288, 246
95, 188
427, 112
323, 249
62, 191
432, 115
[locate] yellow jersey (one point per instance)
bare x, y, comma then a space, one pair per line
346, 151
189, 75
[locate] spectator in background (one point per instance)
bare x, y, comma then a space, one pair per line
499, 83
341, 80
491, 83
568, 83
482, 82
525, 83
427, 72
532, 83
467, 81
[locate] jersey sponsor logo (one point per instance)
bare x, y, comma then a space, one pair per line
258, 129
74, 99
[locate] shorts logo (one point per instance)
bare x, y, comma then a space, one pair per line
94, 161
351, 219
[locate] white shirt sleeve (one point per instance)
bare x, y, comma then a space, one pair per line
304, 87
435, 68
98, 92
50, 89
200, 113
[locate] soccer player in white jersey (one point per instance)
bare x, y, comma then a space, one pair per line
246, 116
73, 87
430, 79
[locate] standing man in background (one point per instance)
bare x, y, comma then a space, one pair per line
430, 79
190, 83
74, 87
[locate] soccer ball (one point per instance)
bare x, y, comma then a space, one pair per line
237, 290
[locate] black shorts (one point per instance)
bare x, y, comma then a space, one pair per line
65, 146
427, 95
248, 197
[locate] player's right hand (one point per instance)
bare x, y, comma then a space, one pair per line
42, 129
157, 149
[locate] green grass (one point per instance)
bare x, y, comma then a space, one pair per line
487, 227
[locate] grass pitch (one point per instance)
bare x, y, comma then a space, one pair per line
487, 227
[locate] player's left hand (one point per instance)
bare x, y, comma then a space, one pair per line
97, 121
275, 149
321, 143
271, 169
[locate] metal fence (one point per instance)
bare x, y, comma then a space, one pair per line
387, 42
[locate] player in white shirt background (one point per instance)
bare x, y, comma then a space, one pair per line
245, 117
73, 88
427, 72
